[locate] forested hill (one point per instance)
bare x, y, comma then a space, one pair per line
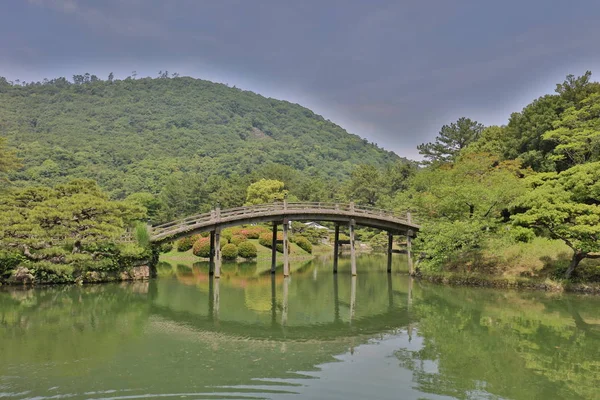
131, 135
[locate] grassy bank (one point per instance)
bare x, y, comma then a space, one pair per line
539, 264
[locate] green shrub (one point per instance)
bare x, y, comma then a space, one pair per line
449, 244
237, 239
201, 247
266, 239
521, 234
47, 272
223, 242
379, 242
166, 247
364, 234
314, 235
252, 232
229, 252
133, 250
8, 262
226, 234
303, 243
247, 250
141, 234
185, 243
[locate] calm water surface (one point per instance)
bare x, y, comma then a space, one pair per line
314, 335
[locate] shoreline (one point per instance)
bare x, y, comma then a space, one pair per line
511, 283
24, 277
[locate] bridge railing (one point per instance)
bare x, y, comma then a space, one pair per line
349, 207
218, 215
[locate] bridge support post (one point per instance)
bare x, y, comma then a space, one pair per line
390, 292
352, 297
336, 300
274, 249
352, 248
211, 264
284, 303
336, 247
217, 272
409, 234
409, 252
389, 251
273, 302
216, 300
286, 261
211, 298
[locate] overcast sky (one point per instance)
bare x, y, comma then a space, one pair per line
390, 71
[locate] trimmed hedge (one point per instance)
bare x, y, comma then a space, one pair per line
226, 234
238, 239
185, 243
247, 250
266, 239
202, 247
166, 247
251, 232
303, 243
229, 252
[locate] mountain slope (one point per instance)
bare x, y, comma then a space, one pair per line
130, 135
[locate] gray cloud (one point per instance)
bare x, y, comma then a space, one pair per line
391, 71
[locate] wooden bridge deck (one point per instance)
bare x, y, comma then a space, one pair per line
335, 212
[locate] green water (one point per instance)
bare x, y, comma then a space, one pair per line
314, 335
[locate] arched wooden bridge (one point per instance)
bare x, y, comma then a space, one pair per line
281, 213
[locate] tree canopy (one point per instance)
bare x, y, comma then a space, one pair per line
131, 135
70, 226
8, 160
451, 140
265, 191
567, 206
577, 133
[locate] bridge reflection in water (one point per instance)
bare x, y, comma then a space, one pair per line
274, 295
214, 299
281, 214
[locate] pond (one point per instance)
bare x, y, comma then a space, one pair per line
251, 335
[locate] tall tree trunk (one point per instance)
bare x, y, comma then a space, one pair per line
577, 257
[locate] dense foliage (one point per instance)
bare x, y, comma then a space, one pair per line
8, 160
177, 145
265, 191
567, 207
536, 176
61, 233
